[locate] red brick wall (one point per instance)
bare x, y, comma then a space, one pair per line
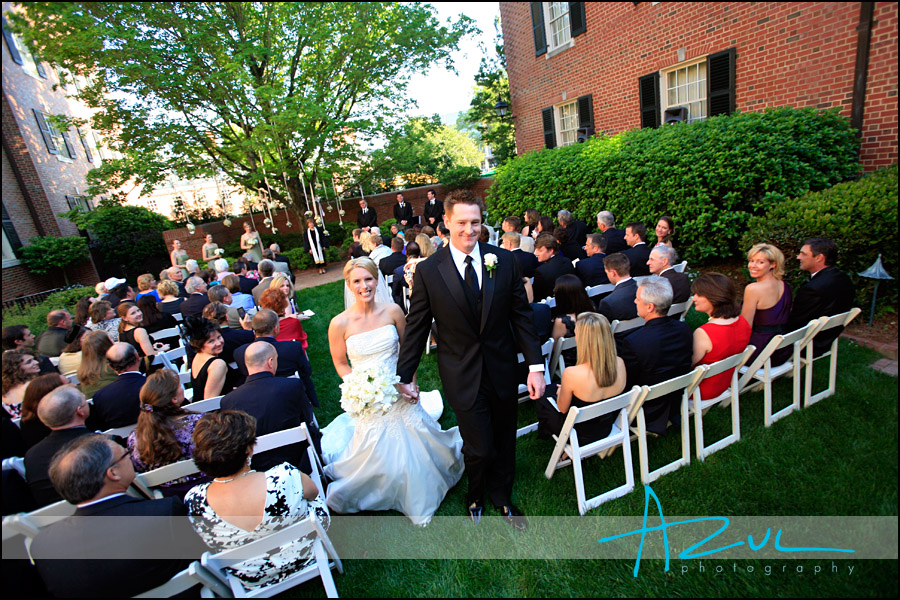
19, 281
788, 53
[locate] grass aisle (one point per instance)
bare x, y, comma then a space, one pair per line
838, 457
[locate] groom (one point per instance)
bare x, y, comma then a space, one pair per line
474, 293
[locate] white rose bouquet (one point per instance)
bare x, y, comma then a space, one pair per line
368, 391
220, 251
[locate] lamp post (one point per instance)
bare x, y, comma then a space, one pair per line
502, 109
876, 272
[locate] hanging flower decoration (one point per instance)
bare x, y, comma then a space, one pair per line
227, 222
319, 221
274, 230
308, 214
191, 228
289, 224
268, 222
330, 208
342, 212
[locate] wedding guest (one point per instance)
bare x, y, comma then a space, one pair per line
619, 305
590, 269
193, 306
365, 243
725, 334
246, 282
19, 337
110, 285
94, 374
426, 248
224, 443
31, 427
528, 262
171, 301
280, 282
532, 217
571, 300
400, 281
578, 233
597, 375
290, 327
615, 238
378, 249
210, 250
179, 258
131, 331
662, 262
118, 404
355, 249
444, 234
394, 260
208, 370
544, 225
70, 357
52, 340
222, 269
176, 275
767, 302
266, 271
155, 320
665, 229
82, 308
104, 318
221, 295
147, 287
552, 265
19, 368
232, 339
638, 252
239, 300
568, 247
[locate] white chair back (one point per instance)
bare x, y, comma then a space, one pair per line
123, 431
557, 362
171, 332
680, 267
185, 580
54, 360
596, 290
546, 352
73, 379
620, 326
178, 317
205, 406
681, 309
729, 396
841, 320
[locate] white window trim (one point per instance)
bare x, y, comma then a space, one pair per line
557, 118
9, 262
548, 34
664, 92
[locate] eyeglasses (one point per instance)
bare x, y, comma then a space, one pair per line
123, 457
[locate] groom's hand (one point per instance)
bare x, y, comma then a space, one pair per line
536, 385
410, 391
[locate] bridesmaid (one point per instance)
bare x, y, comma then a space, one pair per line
209, 249
179, 257
767, 303
250, 243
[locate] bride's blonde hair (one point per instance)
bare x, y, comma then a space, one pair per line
363, 262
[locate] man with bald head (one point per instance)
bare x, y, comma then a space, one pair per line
63, 411
277, 403
118, 404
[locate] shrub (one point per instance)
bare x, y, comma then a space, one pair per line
300, 258
460, 178
711, 175
335, 255
385, 227
337, 234
36, 316
44, 254
860, 216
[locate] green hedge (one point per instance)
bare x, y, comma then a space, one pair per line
712, 176
861, 218
36, 316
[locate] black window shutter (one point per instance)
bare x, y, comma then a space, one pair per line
537, 26
11, 44
720, 83
10, 231
40, 67
649, 91
70, 148
45, 131
84, 144
586, 111
549, 128
577, 24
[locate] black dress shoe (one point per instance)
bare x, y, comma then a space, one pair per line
514, 517
475, 512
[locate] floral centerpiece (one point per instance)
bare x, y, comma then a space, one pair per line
368, 391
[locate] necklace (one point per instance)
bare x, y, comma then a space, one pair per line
244, 474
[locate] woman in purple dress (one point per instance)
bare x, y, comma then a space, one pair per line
767, 303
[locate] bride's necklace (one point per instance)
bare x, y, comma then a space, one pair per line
244, 474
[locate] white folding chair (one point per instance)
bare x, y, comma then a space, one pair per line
729, 396
841, 320
205, 406
185, 580
641, 278
178, 317
326, 558
680, 267
389, 279
681, 309
54, 360
124, 431
761, 371
567, 441
620, 326
171, 332
596, 290
73, 379
685, 383
549, 301
557, 362
546, 351
28, 525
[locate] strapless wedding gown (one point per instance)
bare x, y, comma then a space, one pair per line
401, 460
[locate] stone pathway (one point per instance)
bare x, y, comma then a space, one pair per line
886, 365
310, 278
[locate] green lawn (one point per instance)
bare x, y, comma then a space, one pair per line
838, 457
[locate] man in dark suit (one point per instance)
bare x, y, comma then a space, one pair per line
277, 403
64, 411
247, 284
590, 270
528, 262
398, 284
552, 267
366, 218
197, 300
474, 293
73, 555
403, 212
434, 210
615, 238
119, 403
266, 270
395, 259
53, 339
291, 357
577, 228
661, 262
177, 276
828, 292
638, 252
279, 257
619, 304
658, 351
568, 247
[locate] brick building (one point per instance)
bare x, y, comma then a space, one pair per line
613, 66
44, 167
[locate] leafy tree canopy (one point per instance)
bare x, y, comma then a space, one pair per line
261, 91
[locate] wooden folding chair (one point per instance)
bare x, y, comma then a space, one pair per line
681, 309
841, 320
729, 396
546, 351
567, 441
621, 326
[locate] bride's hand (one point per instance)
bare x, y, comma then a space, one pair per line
409, 391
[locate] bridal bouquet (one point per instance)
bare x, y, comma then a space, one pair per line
368, 391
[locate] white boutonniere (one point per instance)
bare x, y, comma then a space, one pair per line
490, 263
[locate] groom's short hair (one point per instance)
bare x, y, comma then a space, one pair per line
461, 197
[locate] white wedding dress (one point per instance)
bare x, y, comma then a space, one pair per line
401, 460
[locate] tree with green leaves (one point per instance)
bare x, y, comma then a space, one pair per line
43, 254
263, 92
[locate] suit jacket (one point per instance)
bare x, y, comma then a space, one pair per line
277, 403
370, 219
404, 214
572, 250
528, 262
118, 404
435, 210
615, 240
285, 259
73, 555
658, 351
638, 256
234, 339
261, 286
247, 284
590, 270
391, 262
182, 293
37, 463
619, 304
580, 234
830, 292
51, 341
546, 274
397, 285
291, 359
681, 285
194, 305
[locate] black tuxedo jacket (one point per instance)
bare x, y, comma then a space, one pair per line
471, 346
403, 214
277, 403
194, 305
247, 284
590, 270
829, 293
435, 210
369, 219
619, 304
638, 257
572, 250
546, 274
580, 233
117, 404
391, 262
528, 262
234, 339
681, 285
149, 551
291, 359
397, 285
615, 240
284, 259
37, 463
658, 351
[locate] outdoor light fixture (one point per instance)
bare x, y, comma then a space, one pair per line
876, 272
501, 108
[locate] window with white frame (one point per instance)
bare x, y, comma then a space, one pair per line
686, 86
555, 25
567, 124
557, 15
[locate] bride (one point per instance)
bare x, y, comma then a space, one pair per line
400, 460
